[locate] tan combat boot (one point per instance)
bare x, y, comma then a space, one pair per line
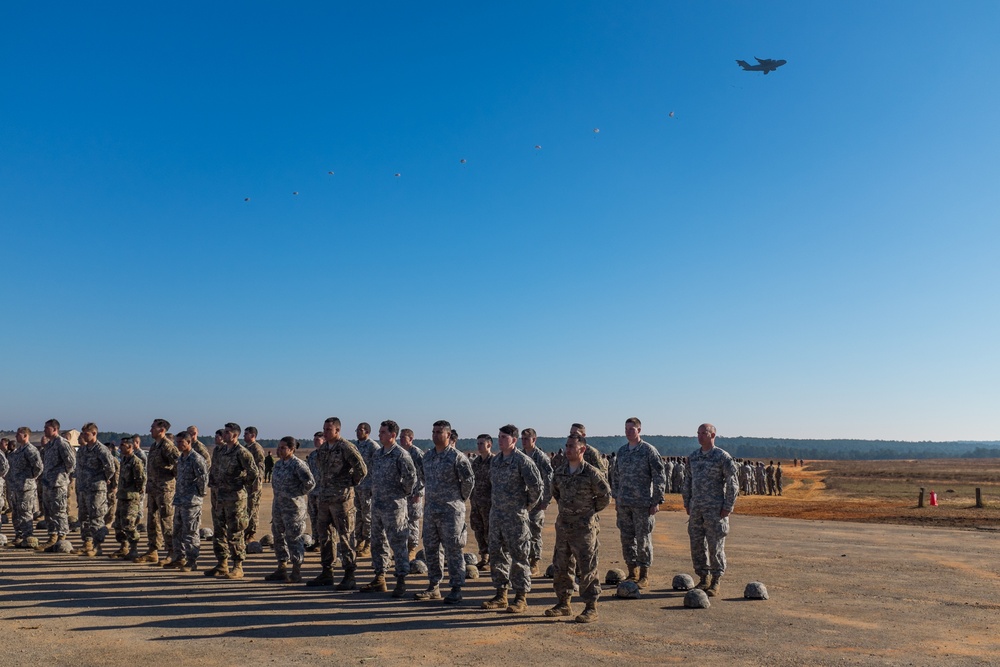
133, 551
534, 567
363, 548
89, 549
562, 608
295, 576
400, 589
643, 577
220, 570
589, 614
121, 553
325, 578
520, 604
412, 555
432, 593
281, 574
498, 601
46, 546
633, 573
347, 583
713, 588
703, 582
150, 557
175, 564
237, 571
376, 585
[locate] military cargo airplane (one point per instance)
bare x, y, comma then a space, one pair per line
766, 65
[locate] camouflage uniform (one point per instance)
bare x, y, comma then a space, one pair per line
594, 458
161, 464
668, 472
311, 499
109, 516
59, 463
254, 490
761, 478
4, 469
199, 446
517, 488
678, 476
448, 480
482, 499
711, 488
340, 467
536, 517
363, 494
777, 479
192, 483
415, 502
581, 494
638, 484
769, 476
25, 469
232, 472
94, 468
291, 481
131, 482
393, 478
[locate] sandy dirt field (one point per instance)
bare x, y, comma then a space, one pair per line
842, 593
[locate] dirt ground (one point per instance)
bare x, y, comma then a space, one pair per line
842, 593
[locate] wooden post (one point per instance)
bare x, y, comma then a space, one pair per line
979, 497
920, 500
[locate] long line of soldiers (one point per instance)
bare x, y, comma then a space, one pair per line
758, 479
369, 496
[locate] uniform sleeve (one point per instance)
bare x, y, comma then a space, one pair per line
601, 490
69, 458
306, 479
731, 484
686, 487
140, 472
545, 470
4, 465
555, 487
466, 477
108, 463
36, 463
407, 473
533, 481
359, 469
418, 465
200, 474
246, 458
657, 475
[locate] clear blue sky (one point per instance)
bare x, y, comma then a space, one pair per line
811, 253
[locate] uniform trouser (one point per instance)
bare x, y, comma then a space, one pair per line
770, 486
288, 525
160, 518
363, 522
253, 512
444, 529
777, 485
576, 550
92, 505
55, 499
109, 516
187, 539
635, 525
510, 540
127, 519
229, 521
708, 531
414, 510
536, 521
390, 531
313, 510
335, 517
479, 517
22, 514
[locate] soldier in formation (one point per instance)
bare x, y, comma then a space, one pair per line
233, 472
161, 467
59, 463
22, 480
536, 517
131, 482
415, 502
479, 515
769, 476
363, 492
291, 482
254, 491
95, 467
189, 494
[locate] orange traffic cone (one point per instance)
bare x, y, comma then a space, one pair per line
933, 499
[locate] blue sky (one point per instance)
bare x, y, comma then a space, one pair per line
810, 253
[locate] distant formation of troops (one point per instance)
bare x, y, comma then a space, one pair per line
381, 499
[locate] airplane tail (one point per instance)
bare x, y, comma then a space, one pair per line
744, 64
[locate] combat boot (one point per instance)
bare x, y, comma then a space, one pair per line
400, 589
455, 596
315, 546
432, 593
484, 560
589, 614
376, 585
703, 582
295, 576
363, 548
498, 601
133, 551
237, 571
643, 577
175, 564
412, 554
47, 546
188, 566
534, 567
520, 604
633, 573
562, 608
121, 553
347, 582
325, 578
150, 557
713, 588
220, 570
89, 549
281, 574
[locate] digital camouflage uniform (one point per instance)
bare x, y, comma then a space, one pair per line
311, 499
760, 478
517, 488
594, 458
480, 502
668, 471
232, 472
192, 484
4, 469
415, 502
291, 482
581, 494
94, 468
161, 465
393, 478
131, 482
712, 487
25, 469
448, 483
199, 446
363, 494
340, 467
536, 517
637, 485
59, 462
109, 516
678, 476
254, 490
769, 477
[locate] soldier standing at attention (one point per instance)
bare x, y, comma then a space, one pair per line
198, 446
340, 468
161, 465
94, 468
393, 478
536, 517
517, 488
131, 482
192, 483
777, 478
291, 481
709, 496
233, 471
448, 480
311, 459
769, 475
638, 485
415, 503
482, 497
363, 492
581, 492
25, 469
268, 467
59, 462
254, 490
591, 456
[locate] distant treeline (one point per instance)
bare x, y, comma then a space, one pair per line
739, 446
